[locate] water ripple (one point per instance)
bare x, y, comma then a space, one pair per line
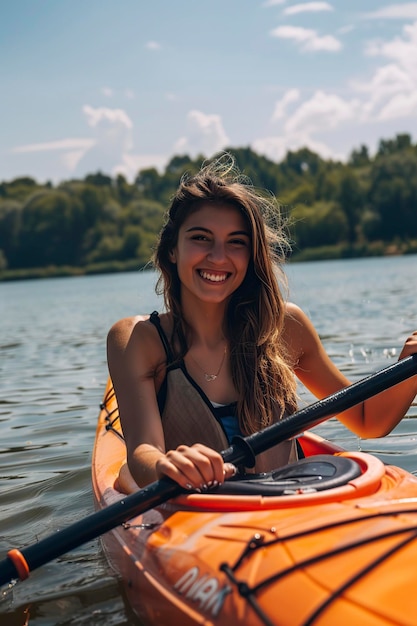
52, 375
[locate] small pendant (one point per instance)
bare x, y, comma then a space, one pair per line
210, 377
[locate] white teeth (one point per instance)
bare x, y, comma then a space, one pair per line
216, 278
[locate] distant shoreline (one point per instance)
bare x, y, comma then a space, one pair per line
324, 253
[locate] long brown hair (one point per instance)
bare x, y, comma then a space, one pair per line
255, 316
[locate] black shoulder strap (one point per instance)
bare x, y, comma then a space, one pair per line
154, 319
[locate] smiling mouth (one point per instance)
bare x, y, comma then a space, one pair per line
213, 278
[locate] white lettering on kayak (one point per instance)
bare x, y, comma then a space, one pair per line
204, 590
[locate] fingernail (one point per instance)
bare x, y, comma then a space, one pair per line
229, 467
204, 487
188, 486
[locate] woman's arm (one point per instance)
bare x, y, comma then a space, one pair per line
375, 417
135, 360
132, 358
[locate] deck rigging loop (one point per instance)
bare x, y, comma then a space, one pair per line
249, 592
112, 417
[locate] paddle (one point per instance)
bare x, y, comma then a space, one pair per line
18, 564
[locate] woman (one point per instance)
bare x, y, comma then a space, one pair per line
221, 360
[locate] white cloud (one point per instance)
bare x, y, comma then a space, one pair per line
62, 144
406, 10
107, 91
132, 163
387, 98
153, 45
292, 95
276, 148
205, 135
308, 38
273, 3
299, 129
103, 115
71, 150
387, 82
110, 150
71, 159
273, 148
343, 30
321, 112
400, 50
127, 93
113, 148
308, 7
113, 130
401, 105
393, 87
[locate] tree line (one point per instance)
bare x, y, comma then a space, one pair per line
365, 206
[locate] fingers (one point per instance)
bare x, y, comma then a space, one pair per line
195, 467
229, 470
410, 346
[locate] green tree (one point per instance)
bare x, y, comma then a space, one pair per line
3, 261
106, 248
360, 158
304, 193
178, 165
322, 224
10, 226
99, 180
100, 219
125, 192
150, 183
260, 170
303, 162
351, 201
393, 194
132, 240
19, 188
391, 146
50, 230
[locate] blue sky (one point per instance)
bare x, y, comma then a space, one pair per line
119, 85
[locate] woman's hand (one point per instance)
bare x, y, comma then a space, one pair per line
194, 467
410, 346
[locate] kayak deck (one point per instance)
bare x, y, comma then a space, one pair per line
339, 555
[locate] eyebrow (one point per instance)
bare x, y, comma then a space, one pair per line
207, 230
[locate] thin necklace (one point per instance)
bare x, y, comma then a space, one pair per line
210, 377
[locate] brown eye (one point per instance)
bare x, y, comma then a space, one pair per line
239, 242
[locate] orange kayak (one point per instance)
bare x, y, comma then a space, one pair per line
331, 539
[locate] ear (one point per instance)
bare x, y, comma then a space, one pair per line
172, 256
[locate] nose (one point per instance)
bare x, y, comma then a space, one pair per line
217, 252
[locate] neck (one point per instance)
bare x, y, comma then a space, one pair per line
206, 323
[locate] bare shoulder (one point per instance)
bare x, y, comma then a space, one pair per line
137, 337
293, 313
122, 331
299, 333
296, 321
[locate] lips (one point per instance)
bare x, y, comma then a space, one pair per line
213, 277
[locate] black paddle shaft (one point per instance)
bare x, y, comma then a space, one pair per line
242, 451
318, 412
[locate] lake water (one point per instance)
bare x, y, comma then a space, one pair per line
52, 377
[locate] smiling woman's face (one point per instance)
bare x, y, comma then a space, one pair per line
212, 252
